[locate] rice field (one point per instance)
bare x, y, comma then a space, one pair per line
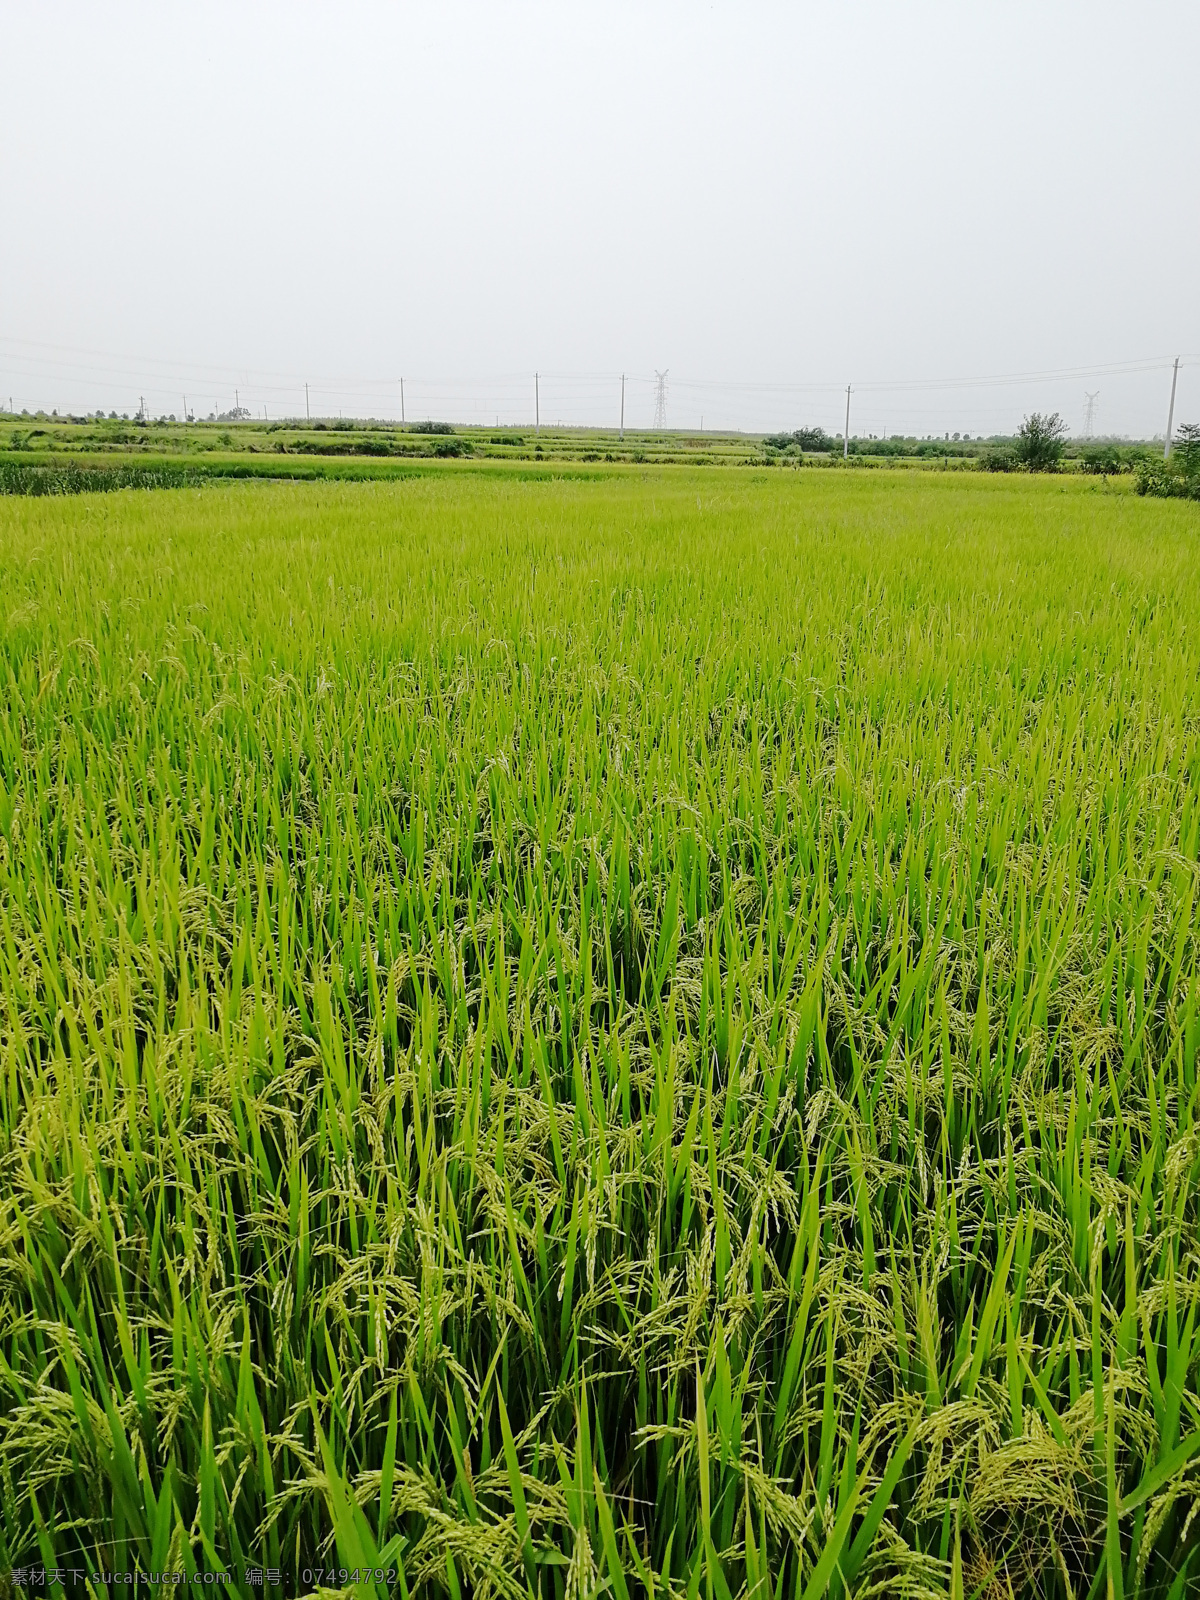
632, 1037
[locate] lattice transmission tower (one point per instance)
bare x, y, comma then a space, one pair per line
660, 401
1089, 431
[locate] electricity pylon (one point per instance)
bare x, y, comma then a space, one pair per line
660, 401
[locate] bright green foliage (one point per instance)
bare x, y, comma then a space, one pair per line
631, 1037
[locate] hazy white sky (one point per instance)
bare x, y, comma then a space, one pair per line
770, 201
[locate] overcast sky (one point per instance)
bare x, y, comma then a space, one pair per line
768, 201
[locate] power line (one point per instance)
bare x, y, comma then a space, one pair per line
747, 404
293, 381
377, 387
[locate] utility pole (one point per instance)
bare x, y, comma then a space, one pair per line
237, 401
307, 412
402, 402
1171, 412
185, 411
846, 434
622, 405
537, 406
1089, 415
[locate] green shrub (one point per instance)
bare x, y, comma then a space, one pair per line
1040, 442
811, 439
1186, 455
1178, 477
1102, 460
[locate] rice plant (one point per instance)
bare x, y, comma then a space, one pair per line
633, 1037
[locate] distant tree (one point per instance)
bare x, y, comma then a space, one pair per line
810, 439
814, 439
1102, 459
1186, 450
1040, 442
